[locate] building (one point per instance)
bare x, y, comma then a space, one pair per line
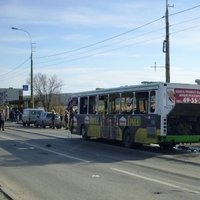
13, 97
10, 96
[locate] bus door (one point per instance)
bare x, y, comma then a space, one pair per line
109, 126
109, 122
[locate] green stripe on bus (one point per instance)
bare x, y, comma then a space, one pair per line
181, 138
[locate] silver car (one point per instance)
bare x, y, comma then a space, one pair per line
30, 115
45, 119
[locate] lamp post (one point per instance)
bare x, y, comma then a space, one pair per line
32, 96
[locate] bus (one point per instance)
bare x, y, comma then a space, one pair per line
150, 113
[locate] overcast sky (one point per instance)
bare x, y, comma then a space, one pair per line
98, 43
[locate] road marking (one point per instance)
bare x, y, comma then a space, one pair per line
154, 180
95, 176
48, 150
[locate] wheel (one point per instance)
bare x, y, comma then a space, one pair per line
128, 139
84, 133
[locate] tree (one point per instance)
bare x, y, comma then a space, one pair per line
46, 89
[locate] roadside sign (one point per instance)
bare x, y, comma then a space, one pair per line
25, 87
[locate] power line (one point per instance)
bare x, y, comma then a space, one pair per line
78, 56
16, 68
116, 36
185, 29
102, 41
101, 47
188, 9
108, 39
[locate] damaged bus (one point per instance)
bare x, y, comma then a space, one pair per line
150, 113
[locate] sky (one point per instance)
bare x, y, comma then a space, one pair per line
91, 44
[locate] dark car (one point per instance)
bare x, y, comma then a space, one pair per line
45, 119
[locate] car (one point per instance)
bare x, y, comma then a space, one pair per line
30, 115
45, 119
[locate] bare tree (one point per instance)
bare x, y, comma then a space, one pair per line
46, 89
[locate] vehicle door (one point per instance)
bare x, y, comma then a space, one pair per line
109, 125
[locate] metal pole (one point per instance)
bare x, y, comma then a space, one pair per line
32, 96
167, 55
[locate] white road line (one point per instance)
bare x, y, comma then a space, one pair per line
155, 180
48, 150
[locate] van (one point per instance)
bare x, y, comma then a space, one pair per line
45, 119
30, 115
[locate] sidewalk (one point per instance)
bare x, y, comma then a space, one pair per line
59, 133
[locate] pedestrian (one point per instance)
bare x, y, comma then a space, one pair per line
2, 119
61, 120
71, 119
53, 119
66, 119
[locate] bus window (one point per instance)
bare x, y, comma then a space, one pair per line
102, 104
127, 102
83, 105
92, 104
114, 103
141, 102
152, 101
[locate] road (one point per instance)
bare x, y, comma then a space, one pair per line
47, 164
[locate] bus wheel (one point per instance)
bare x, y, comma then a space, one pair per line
128, 139
84, 133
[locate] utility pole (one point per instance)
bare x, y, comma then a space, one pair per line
31, 45
166, 46
32, 96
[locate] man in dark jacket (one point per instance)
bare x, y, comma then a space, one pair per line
2, 120
53, 119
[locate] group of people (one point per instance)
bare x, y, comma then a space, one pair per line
64, 119
2, 120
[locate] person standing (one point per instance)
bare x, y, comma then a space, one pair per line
61, 120
2, 119
66, 120
53, 119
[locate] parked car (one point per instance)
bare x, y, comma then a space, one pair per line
30, 115
45, 119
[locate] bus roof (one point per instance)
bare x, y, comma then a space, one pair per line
130, 88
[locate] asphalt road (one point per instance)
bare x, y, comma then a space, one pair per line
41, 164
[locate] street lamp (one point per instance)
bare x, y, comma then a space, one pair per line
18, 29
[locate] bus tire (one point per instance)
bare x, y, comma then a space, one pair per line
128, 139
84, 132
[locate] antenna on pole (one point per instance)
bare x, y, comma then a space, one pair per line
156, 66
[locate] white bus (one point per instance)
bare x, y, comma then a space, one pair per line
159, 113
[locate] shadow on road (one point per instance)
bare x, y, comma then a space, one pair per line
41, 149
